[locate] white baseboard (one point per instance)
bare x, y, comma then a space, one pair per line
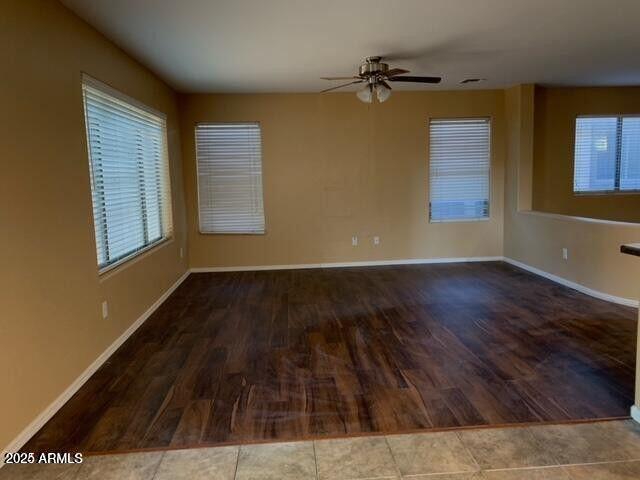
635, 413
372, 263
576, 286
420, 261
46, 415
24, 436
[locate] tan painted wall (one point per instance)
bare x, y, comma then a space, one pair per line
334, 167
537, 239
556, 112
50, 323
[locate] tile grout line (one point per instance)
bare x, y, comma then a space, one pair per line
459, 435
469, 452
603, 462
372, 478
529, 467
155, 472
561, 466
393, 457
432, 474
235, 471
315, 459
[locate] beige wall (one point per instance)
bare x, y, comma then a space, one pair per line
537, 239
334, 167
50, 322
556, 112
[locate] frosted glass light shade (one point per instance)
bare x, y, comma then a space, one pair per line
382, 92
366, 94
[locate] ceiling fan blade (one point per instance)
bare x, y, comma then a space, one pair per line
395, 71
415, 79
340, 86
386, 84
338, 78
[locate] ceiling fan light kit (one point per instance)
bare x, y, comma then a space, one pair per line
382, 92
375, 74
366, 94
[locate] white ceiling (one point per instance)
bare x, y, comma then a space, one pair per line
286, 45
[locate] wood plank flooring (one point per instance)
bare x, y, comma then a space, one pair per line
298, 354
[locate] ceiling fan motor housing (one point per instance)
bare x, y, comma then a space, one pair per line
372, 67
375, 74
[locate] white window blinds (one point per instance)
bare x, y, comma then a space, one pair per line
229, 158
607, 154
459, 169
129, 174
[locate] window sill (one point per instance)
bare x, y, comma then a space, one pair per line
122, 264
601, 193
461, 220
232, 233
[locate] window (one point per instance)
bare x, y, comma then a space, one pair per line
459, 169
229, 157
607, 154
129, 174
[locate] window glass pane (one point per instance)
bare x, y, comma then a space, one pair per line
459, 169
595, 154
152, 180
630, 154
229, 158
129, 175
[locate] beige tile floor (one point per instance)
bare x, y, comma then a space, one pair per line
593, 451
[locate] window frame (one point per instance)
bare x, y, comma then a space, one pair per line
597, 193
489, 119
197, 174
168, 230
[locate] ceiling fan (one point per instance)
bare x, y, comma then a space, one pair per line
375, 74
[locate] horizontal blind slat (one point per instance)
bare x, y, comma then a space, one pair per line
129, 175
595, 154
607, 154
229, 159
630, 154
459, 168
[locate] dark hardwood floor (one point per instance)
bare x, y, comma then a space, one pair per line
251, 356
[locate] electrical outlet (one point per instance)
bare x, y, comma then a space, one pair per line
565, 253
376, 240
354, 241
105, 309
